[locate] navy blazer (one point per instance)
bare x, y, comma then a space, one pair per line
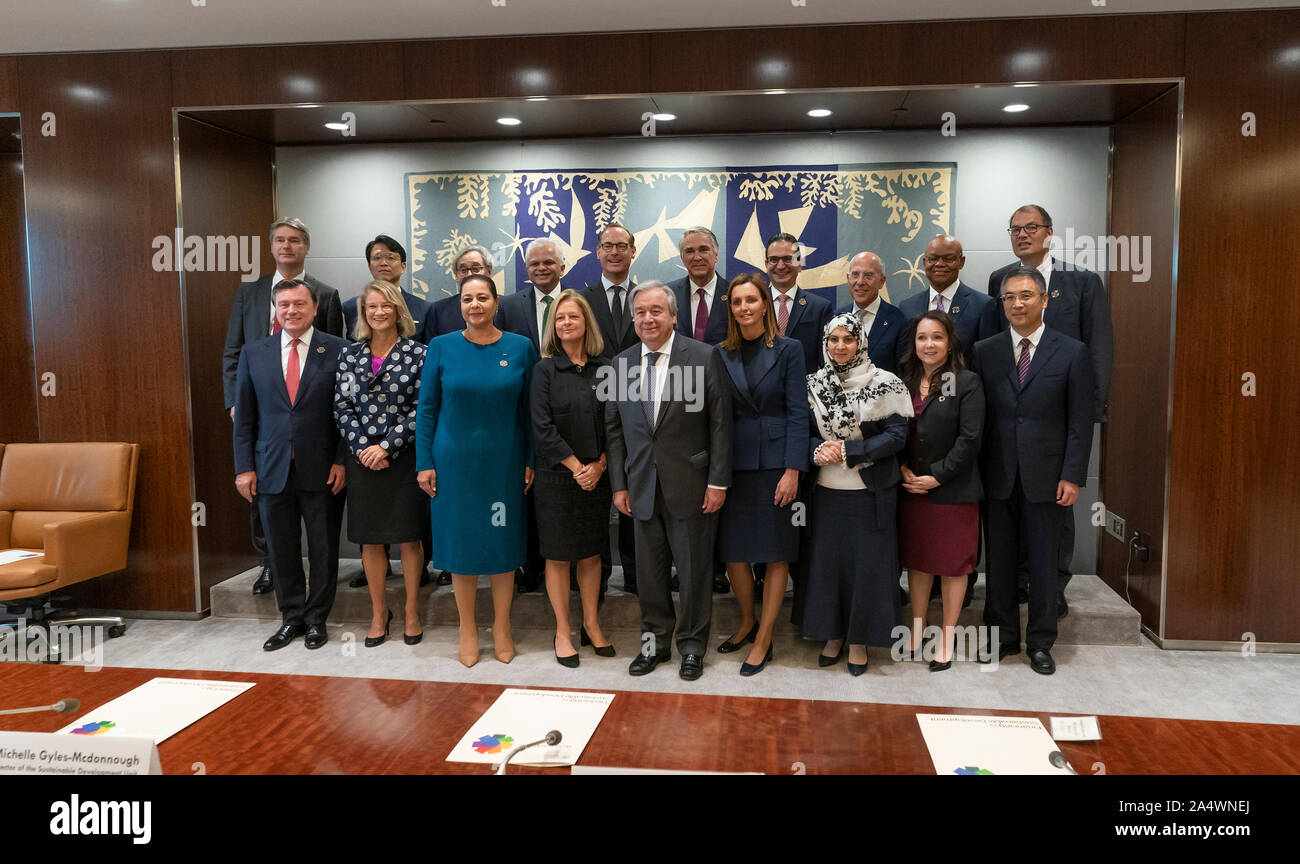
517, 313
598, 300
378, 408
715, 330
444, 317
418, 307
876, 451
1078, 307
809, 315
1043, 430
271, 431
948, 432
250, 321
770, 423
972, 313
883, 341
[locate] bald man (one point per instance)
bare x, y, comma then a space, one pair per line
883, 322
972, 312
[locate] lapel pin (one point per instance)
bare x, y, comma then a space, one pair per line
320, 349
954, 309
1056, 294
504, 361
941, 398
803, 301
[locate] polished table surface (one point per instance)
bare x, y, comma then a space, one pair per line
305, 724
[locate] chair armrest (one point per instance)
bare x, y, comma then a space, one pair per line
89, 546
6, 525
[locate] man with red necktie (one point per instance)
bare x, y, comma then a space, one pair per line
702, 292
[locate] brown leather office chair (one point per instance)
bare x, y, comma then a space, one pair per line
73, 504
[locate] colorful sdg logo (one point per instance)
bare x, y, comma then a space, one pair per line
972, 769
94, 728
493, 743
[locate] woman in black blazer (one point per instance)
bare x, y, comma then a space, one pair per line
769, 449
938, 513
573, 492
375, 393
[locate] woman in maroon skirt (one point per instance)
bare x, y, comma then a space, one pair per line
938, 518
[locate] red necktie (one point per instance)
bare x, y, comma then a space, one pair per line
291, 371
275, 327
783, 314
701, 316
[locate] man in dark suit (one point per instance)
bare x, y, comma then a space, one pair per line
668, 431
527, 310
702, 292
252, 318
1037, 437
972, 313
445, 315
1080, 309
289, 458
615, 250
883, 322
387, 262
799, 315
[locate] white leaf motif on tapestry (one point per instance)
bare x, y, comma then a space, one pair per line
472, 196
758, 190
510, 189
451, 246
542, 207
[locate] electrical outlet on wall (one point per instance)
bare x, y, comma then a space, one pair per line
1115, 526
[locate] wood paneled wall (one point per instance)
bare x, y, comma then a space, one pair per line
1234, 502
1135, 437
226, 189
101, 189
17, 363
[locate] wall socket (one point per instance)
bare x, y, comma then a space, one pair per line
1115, 525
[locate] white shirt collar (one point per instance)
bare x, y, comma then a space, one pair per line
626, 283
306, 337
664, 349
280, 277
873, 307
709, 287
790, 293
1032, 337
948, 293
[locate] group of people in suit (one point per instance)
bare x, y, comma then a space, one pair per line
742, 427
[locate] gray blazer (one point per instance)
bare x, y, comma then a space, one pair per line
689, 448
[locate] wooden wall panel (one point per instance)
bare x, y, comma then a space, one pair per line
17, 369
8, 84
286, 74
1135, 437
98, 191
226, 189
1235, 504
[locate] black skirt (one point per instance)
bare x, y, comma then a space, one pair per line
750, 527
386, 506
852, 569
572, 524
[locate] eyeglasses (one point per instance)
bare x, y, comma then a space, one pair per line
1022, 296
470, 269
610, 247
947, 259
780, 259
1031, 229
381, 257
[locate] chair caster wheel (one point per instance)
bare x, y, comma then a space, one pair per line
116, 630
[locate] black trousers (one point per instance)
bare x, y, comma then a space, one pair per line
303, 601
662, 540
626, 552
1011, 524
1066, 562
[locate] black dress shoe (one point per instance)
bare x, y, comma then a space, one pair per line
827, 660
1008, 649
413, 640
316, 636
748, 670
720, 583
263, 584
444, 578
1062, 608
936, 666
729, 646
601, 650
570, 662
358, 581
692, 667
644, 665
286, 634
375, 641
1040, 660
856, 669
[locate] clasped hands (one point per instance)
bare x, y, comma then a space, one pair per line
829, 453
589, 475
918, 484
374, 457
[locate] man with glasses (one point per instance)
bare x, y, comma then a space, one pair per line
972, 313
799, 315
882, 322
387, 262
445, 313
1079, 308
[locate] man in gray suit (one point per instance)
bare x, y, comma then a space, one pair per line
252, 318
668, 419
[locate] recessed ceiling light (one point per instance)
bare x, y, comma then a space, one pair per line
536, 99
773, 92
820, 112
1024, 85
509, 121
309, 105
1015, 109
664, 116
336, 126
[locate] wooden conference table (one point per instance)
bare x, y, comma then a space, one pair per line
305, 724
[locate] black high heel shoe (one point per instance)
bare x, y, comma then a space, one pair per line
729, 646
856, 669
827, 660
570, 662
749, 670
601, 650
375, 641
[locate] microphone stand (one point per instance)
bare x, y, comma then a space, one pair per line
552, 738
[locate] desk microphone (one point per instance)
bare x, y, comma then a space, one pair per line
1058, 760
552, 738
63, 706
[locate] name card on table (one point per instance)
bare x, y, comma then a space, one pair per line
53, 753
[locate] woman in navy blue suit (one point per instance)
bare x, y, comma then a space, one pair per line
769, 449
375, 393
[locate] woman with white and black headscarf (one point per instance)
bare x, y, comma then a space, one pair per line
859, 424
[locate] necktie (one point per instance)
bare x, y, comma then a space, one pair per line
701, 316
291, 371
938, 302
617, 309
649, 403
1022, 365
275, 327
783, 314
546, 313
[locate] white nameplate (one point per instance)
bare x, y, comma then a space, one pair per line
52, 753
1075, 728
